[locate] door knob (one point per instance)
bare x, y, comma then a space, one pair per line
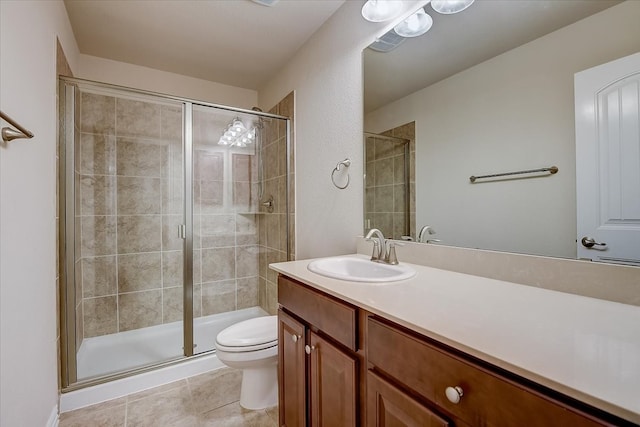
589, 242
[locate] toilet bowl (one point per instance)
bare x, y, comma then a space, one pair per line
252, 345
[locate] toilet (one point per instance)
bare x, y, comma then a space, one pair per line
252, 345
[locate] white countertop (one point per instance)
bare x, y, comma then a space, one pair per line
583, 347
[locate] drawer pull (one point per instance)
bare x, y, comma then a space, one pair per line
308, 349
295, 338
454, 394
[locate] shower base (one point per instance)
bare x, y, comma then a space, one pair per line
109, 354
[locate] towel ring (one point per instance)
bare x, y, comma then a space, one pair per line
346, 163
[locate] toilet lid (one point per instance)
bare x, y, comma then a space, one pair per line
259, 332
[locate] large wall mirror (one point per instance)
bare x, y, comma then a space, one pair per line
491, 90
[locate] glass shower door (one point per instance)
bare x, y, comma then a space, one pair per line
166, 228
129, 208
225, 222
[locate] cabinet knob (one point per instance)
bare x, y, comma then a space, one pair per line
454, 394
295, 337
308, 349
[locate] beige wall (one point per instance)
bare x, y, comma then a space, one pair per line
497, 132
28, 354
135, 76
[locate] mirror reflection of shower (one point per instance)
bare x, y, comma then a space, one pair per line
389, 202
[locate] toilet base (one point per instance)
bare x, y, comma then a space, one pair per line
259, 387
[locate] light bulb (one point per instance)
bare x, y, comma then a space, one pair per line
448, 7
415, 25
238, 126
381, 10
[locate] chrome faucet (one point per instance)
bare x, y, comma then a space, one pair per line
379, 249
383, 250
426, 230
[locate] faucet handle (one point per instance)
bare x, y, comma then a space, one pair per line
390, 256
375, 255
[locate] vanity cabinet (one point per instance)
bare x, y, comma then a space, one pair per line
420, 382
340, 366
318, 360
291, 371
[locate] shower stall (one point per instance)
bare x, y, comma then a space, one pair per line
389, 202
165, 225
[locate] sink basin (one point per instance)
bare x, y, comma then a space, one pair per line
360, 270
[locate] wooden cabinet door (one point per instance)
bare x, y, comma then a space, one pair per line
332, 384
291, 371
387, 406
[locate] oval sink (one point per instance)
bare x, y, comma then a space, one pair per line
360, 270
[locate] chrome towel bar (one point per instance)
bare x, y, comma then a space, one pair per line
9, 134
552, 170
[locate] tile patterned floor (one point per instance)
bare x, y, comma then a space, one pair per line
207, 400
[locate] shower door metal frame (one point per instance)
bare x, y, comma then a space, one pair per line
187, 268
66, 237
66, 133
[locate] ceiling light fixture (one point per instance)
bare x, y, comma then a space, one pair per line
415, 25
265, 2
237, 134
381, 10
448, 7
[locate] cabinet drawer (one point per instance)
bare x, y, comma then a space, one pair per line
389, 406
488, 399
329, 315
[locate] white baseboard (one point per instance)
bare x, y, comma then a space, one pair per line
99, 393
53, 418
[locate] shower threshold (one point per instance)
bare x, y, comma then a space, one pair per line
123, 351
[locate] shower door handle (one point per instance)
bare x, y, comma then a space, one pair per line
182, 231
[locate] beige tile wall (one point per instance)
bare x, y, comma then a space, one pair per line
385, 188
129, 204
129, 195
273, 226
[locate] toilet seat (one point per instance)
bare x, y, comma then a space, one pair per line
250, 335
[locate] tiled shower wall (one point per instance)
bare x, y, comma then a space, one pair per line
385, 188
273, 226
129, 205
129, 201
